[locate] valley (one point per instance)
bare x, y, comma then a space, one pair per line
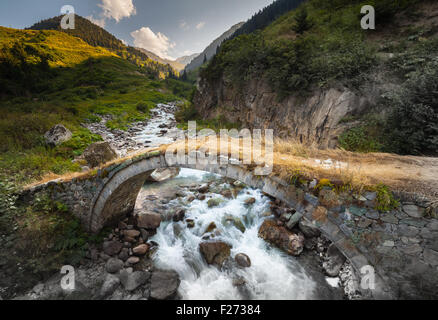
86, 179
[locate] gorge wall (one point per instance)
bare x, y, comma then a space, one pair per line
314, 118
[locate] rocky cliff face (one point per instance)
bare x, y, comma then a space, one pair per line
314, 118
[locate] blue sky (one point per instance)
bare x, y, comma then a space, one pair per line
170, 28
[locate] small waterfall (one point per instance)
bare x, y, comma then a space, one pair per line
272, 275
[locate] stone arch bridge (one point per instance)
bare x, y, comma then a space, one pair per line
108, 194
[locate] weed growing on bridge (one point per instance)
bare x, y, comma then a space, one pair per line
385, 199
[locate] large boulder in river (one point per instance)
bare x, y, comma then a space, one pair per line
215, 252
164, 285
57, 135
164, 174
279, 236
148, 220
99, 153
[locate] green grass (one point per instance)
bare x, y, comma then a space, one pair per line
80, 84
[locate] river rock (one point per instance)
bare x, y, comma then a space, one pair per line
113, 265
334, 261
99, 153
215, 252
109, 285
133, 260
57, 135
290, 242
243, 260
132, 281
124, 254
250, 201
148, 220
141, 250
112, 248
160, 175
179, 215
131, 234
203, 189
164, 285
214, 202
308, 228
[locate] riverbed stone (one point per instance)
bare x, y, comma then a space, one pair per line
112, 248
148, 220
290, 242
215, 252
113, 265
164, 285
132, 281
131, 234
141, 250
110, 284
243, 260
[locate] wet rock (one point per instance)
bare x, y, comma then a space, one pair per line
113, 265
124, 254
190, 223
243, 260
215, 252
203, 189
211, 227
57, 135
334, 261
290, 242
191, 198
179, 215
237, 222
99, 153
164, 285
148, 220
141, 250
133, 260
160, 175
214, 202
131, 234
413, 211
112, 248
308, 229
110, 284
227, 194
132, 281
201, 197
250, 201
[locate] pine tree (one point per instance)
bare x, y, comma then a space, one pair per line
302, 22
205, 59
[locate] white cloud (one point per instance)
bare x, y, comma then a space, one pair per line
183, 25
200, 25
117, 9
99, 22
157, 43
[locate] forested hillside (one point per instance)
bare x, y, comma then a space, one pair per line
97, 36
50, 77
319, 51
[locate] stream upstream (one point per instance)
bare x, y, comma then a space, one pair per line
273, 274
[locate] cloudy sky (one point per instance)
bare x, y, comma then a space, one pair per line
169, 28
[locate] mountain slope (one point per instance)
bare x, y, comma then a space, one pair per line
210, 51
174, 64
324, 80
185, 60
97, 36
